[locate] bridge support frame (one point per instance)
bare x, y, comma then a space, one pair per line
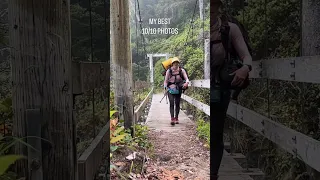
207, 59
150, 56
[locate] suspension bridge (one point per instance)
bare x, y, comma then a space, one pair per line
300, 146
88, 76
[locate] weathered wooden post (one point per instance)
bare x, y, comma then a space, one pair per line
34, 157
122, 60
310, 36
151, 68
40, 44
206, 44
201, 10
207, 59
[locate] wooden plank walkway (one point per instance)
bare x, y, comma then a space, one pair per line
158, 120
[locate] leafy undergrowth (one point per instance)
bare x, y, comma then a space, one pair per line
129, 154
131, 157
7, 159
203, 129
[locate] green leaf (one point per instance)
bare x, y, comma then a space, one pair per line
112, 113
7, 161
113, 148
118, 138
117, 131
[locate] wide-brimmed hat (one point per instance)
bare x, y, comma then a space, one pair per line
175, 59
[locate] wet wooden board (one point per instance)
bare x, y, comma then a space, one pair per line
230, 169
159, 116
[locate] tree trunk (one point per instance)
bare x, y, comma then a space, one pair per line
121, 58
42, 78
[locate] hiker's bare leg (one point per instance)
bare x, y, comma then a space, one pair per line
218, 107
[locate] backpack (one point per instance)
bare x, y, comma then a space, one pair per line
244, 32
180, 74
230, 66
225, 30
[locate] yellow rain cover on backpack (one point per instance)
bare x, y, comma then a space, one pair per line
167, 63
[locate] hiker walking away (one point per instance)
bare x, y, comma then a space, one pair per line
230, 64
176, 80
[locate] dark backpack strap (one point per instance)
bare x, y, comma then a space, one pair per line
225, 31
170, 71
181, 75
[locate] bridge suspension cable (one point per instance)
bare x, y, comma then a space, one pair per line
137, 41
140, 23
143, 44
190, 27
203, 37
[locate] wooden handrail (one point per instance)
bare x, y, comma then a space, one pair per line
299, 69
141, 107
91, 159
301, 146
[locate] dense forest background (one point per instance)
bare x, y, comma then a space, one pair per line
275, 35
181, 13
5, 90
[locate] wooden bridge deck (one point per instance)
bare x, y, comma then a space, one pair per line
159, 120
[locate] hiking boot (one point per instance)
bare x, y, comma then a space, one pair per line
173, 121
177, 121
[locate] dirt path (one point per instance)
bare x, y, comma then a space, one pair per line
179, 154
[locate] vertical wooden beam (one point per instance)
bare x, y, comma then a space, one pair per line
40, 44
207, 59
201, 10
34, 157
310, 37
310, 28
122, 60
108, 88
151, 68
